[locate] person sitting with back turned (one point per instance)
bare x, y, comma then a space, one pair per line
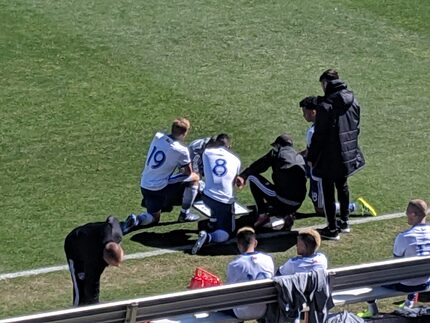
286, 194
89, 250
413, 242
221, 168
307, 259
250, 265
160, 189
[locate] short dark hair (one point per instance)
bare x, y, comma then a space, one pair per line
311, 239
309, 103
245, 236
328, 75
223, 140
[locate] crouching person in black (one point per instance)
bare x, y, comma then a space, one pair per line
285, 195
89, 250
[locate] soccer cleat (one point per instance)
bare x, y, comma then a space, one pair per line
352, 207
343, 226
367, 314
274, 223
129, 223
203, 237
289, 222
409, 303
366, 207
189, 217
329, 234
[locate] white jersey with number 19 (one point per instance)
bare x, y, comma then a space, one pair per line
164, 156
221, 168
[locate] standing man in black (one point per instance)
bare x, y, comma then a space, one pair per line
89, 250
334, 154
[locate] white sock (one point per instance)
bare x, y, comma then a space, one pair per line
190, 194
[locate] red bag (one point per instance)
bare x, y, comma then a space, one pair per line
202, 278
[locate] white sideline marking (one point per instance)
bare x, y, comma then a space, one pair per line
158, 252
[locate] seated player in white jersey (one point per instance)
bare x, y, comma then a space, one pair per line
221, 168
161, 187
413, 242
307, 259
250, 265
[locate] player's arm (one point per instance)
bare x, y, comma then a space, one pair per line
185, 167
399, 247
188, 171
239, 182
285, 269
258, 167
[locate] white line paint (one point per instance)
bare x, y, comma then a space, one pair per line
158, 252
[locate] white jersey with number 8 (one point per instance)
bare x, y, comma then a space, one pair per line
164, 156
221, 168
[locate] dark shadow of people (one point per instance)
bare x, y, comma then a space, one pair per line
184, 239
266, 243
166, 240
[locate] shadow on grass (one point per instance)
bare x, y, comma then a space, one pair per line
166, 240
184, 239
277, 243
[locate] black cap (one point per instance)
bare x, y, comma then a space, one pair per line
283, 140
310, 103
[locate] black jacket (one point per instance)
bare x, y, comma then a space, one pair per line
334, 150
288, 172
84, 245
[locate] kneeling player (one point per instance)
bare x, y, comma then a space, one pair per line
160, 189
221, 168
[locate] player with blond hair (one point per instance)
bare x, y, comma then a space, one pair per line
167, 178
307, 259
412, 242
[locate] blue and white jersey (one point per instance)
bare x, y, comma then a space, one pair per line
164, 156
221, 168
309, 135
248, 267
196, 149
411, 243
301, 264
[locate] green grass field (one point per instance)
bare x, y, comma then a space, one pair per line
85, 84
